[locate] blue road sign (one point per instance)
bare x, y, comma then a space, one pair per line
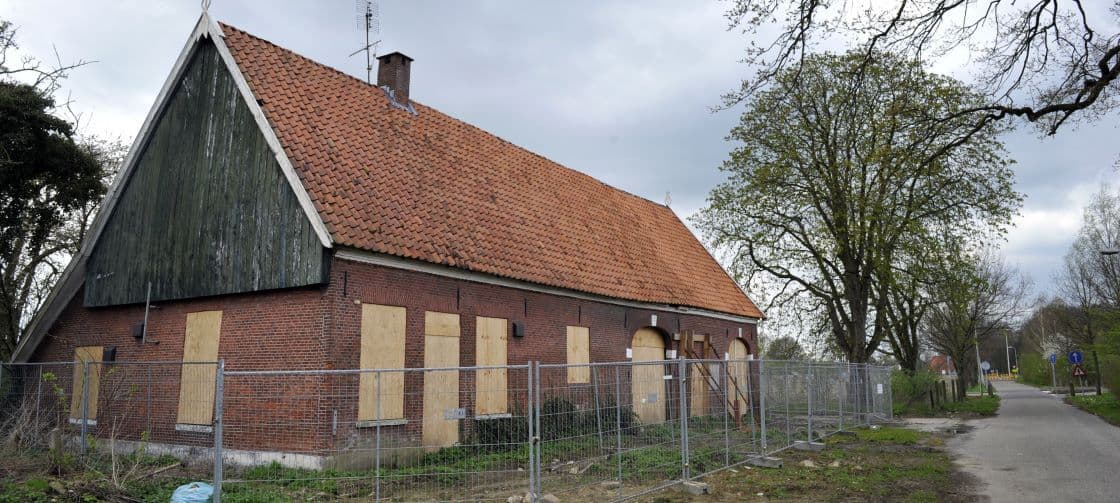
1053, 358
1075, 357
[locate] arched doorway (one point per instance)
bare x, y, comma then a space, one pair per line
737, 353
647, 383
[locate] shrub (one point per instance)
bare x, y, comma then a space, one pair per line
908, 390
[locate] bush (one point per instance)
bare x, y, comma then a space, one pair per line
1034, 369
909, 390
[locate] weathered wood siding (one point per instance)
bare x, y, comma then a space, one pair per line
207, 210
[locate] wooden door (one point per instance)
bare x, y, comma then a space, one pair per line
197, 380
81, 355
441, 388
738, 368
647, 382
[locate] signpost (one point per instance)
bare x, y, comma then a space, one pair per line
1075, 358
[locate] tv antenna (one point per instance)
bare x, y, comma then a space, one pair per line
369, 21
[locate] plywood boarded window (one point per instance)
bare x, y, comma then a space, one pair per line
196, 384
81, 355
579, 353
441, 388
491, 395
382, 348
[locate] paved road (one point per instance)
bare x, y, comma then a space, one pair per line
1040, 449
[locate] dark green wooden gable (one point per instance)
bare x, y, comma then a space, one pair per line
207, 211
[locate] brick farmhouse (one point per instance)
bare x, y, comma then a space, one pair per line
278, 214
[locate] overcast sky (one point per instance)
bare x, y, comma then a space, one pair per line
620, 92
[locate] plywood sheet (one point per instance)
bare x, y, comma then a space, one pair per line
382, 347
196, 383
86, 354
738, 368
441, 388
647, 383
579, 353
491, 395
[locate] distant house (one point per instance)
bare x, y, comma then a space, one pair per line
942, 364
284, 215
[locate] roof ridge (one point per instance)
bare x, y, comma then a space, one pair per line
644, 199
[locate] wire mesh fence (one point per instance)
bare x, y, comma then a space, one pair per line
602, 431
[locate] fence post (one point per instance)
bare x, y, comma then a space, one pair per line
867, 391
762, 402
531, 429
734, 410
618, 421
84, 427
809, 389
682, 369
219, 392
840, 399
536, 495
598, 410
785, 381
377, 438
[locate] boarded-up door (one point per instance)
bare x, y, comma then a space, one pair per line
738, 368
382, 348
196, 384
86, 354
441, 388
647, 383
491, 395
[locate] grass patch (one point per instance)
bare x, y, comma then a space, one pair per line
901, 436
885, 464
975, 405
1106, 406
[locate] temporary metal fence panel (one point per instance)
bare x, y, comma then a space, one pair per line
446, 434
118, 418
599, 431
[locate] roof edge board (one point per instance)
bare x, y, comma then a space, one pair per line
286, 167
394, 262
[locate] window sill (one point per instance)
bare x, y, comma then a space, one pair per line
505, 415
89, 422
194, 428
373, 423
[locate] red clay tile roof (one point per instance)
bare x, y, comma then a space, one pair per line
433, 188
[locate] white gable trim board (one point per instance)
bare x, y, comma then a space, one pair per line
73, 276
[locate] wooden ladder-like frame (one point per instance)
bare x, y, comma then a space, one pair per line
686, 344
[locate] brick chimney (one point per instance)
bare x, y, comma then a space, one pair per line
392, 72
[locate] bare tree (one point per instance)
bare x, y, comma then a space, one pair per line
1042, 60
977, 299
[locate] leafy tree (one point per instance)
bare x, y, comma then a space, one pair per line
1042, 60
47, 179
784, 348
1090, 280
831, 183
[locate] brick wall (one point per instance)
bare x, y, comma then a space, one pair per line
320, 329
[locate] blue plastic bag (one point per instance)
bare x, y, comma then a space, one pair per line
195, 492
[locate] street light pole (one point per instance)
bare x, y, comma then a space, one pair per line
1007, 352
979, 370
